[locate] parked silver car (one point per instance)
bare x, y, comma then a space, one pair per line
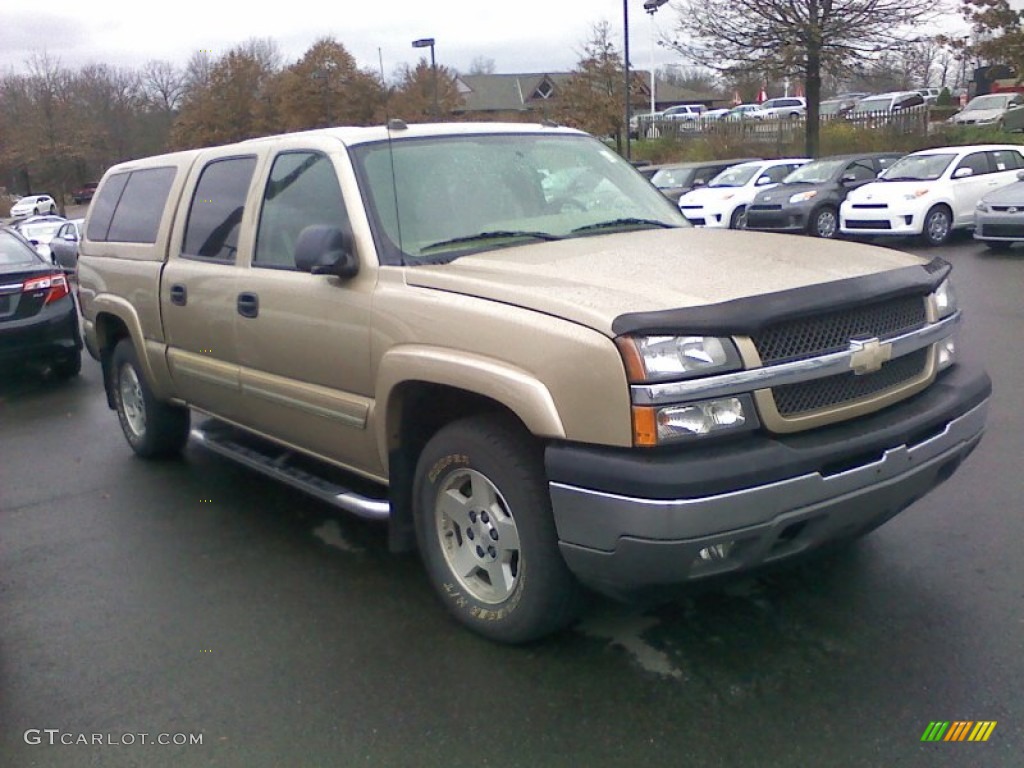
999, 217
989, 109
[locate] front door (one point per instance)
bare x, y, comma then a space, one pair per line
305, 349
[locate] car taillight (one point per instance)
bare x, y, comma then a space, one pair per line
55, 285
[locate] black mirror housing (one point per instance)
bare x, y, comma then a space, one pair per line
323, 249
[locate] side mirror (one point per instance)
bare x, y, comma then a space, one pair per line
962, 173
762, 180
848, 178
325, 250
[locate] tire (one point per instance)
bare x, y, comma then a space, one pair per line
938, 226
482, 480
53, 209
36, 211
738, 220
153, 429
68, 367
824, 223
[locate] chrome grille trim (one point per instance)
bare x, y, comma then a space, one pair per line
785, 373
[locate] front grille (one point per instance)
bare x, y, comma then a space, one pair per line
832, 331
1002, 230
762, 221
697, 222
765, 207
874, 206
806, 396
863, 224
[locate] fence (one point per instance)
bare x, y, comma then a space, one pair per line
913, 121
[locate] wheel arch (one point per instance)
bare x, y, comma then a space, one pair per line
115, 319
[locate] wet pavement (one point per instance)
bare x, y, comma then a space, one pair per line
194, 597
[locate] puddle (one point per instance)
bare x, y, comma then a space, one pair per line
626, 631
330, 533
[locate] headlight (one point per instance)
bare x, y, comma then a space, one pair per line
982, 206
916, 194
945, 299
803, 197
686, 421
667, 358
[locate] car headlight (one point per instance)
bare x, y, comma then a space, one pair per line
654, 426
981, 206
944, 298
803, 197
916, 193
671, 358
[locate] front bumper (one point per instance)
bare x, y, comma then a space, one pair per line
706, 216
786, 218
888, 219
999, 226
628, 521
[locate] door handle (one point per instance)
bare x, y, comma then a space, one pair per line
248, 304
179, 294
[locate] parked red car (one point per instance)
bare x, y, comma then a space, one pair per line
84, 193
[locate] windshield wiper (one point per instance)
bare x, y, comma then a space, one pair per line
900, 178
495, 235
626, 222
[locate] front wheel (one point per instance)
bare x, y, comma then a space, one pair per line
486, 532
53, 209
738, 220
153, 429
825, 223
938, 226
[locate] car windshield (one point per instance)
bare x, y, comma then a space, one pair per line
434, 199
989, 101
14, 251
736, 176
829, 107
667, 178
42, 229
872, 105
817, 172
918, 167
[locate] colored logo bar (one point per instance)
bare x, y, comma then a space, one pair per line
958, 730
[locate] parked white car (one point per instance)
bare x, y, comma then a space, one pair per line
683, 112
785, 106
723, 202
744, 112
33, 205
930, 193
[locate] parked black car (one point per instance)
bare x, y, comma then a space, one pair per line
38, 315
808, 199
676, 179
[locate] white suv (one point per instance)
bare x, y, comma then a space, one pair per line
930, 193
786, 106
684, 112
723, 202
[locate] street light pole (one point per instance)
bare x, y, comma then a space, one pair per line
625, 47
652, 6
428, 42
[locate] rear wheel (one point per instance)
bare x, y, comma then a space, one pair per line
938, 226
825, 223
486, 531
153, 429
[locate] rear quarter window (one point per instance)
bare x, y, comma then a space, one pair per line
130, 206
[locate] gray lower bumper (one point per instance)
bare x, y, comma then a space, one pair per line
617, 543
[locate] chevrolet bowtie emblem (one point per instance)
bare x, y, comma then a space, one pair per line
868, 355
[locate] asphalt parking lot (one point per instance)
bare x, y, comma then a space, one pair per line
194, 597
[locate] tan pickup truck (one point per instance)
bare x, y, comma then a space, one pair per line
503, 341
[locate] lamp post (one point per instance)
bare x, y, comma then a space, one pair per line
625, 58
652, 6
324, 73
428, 42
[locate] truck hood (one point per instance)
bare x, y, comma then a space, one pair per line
593, 280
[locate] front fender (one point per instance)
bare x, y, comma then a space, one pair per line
110, 312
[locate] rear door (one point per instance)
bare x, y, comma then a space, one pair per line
199, 291
967, 190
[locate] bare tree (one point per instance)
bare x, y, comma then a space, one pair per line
481, 65
795, 38
164, 85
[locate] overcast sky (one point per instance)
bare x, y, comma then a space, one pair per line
520, 36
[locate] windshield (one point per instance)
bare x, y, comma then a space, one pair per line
14, 251
829, 107
667, 178
736, 176
817, 172
434, 199
989, 101
872, 105
43, 229
917, 168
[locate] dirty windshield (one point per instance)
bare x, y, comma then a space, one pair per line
432, 200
